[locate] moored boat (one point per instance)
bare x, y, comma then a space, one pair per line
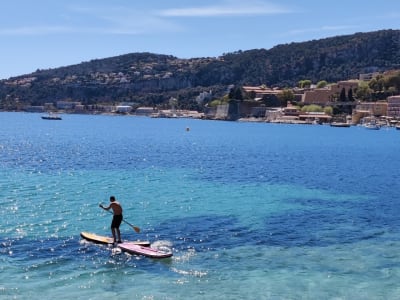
372, 123
340, 124
372, 126
51, 116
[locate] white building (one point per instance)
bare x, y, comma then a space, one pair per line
123, 108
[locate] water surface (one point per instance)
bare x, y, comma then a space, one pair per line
250, 210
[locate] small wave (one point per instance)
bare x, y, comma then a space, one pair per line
186, 256
194, 273
116, 251
161, 244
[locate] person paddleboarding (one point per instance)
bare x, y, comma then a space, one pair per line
117, 218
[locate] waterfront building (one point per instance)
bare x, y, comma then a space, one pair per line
145, 111
369, 109
67, 105
393, 109
123, 109
329, 94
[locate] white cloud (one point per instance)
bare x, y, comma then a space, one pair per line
98, 20
122, 20
227, 8
35, 30
119, 20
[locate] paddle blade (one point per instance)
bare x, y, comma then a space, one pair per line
137, 229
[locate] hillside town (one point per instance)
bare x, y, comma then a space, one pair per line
380, 113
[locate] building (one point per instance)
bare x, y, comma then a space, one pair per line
393, 107
315, 117
123, 109
35, 108
67, 105
272, 114
325, 96
376, 109
291, 111
145, 111
346, 85
367, 76
369, 109
260, 91
317, 96
221, 112
258, 111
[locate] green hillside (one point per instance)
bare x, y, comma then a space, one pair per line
152, 79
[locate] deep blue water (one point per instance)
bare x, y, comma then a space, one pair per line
250, 210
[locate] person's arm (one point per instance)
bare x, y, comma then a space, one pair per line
106, 208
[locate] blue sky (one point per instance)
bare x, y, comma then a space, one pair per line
42, 34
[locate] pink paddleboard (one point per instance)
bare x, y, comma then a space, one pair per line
146, 251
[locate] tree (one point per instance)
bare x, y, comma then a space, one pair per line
311, 108
304, 83
272, 101
363, 91
286, 96
251, 95
342, 96
173, 102
393, 81
214, 103
321, 84
350, 95
236, 93
392, 90
328, 110
377, 83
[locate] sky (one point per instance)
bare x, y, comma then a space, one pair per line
43, 34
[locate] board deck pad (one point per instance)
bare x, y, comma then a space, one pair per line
133, 248
100, 239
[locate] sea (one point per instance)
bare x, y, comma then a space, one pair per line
249, 210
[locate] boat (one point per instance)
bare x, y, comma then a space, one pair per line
51, 116
133, 248
372, 126
340, 124
371, 123
100, 239
398, 126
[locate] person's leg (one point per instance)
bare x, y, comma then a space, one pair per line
118, 221
119, 234
114, 226
113, 234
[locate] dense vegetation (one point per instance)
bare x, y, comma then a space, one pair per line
152, 79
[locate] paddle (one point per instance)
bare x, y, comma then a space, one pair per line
137, 229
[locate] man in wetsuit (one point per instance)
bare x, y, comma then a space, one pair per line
117, 218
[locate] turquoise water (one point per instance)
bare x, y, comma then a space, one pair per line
251, 211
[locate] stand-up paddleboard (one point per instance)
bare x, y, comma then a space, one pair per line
133, 248
99, 239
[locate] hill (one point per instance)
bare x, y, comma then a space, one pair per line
151, 79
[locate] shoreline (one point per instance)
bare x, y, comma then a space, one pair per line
201, 116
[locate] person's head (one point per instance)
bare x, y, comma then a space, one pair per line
112, 199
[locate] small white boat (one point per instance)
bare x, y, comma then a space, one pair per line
51, 116
372, 126
340, 124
